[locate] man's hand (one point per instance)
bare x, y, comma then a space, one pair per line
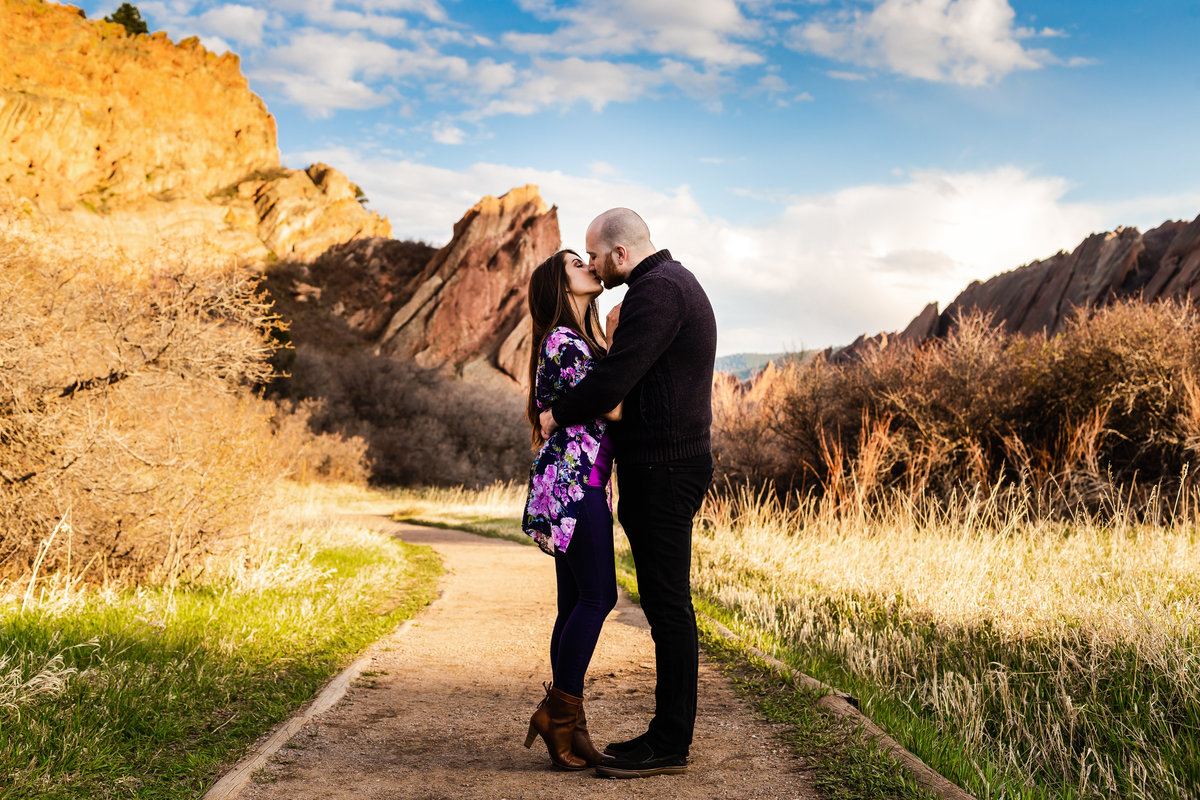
610, 322
548, 423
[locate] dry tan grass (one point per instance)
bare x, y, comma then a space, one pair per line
1025, 637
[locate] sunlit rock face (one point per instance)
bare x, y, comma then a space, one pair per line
1163, 263
88, 112
139, 144
468, 307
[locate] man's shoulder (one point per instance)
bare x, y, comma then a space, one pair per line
670, 277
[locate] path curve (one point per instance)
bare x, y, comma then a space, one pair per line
445, 712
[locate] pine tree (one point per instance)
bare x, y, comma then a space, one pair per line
130, 17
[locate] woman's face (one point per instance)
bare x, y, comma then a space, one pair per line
580, 280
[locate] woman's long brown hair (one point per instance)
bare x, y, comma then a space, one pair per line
550, 306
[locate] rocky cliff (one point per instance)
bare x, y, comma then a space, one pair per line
133, 141
462, 306
1161, 264
468, 305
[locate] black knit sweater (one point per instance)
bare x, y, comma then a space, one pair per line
661, 365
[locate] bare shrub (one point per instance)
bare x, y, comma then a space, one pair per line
125, 418
1110, 402
308, 455
420, 425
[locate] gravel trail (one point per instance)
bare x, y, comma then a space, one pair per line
443, 707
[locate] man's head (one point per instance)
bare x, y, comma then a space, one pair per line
616, 242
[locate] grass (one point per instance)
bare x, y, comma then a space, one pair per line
150, 692
1019, 658
845, 764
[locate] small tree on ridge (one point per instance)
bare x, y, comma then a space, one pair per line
129, 16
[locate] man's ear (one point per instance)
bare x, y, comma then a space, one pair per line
623, 253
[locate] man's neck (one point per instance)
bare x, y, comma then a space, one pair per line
638, 256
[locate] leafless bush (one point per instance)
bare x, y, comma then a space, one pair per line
1110, 402
309, 455
420, 426
126, 423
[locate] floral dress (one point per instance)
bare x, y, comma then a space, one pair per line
562, 467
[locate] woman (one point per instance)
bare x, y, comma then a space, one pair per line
568, 512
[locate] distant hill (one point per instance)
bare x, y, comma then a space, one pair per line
744, 366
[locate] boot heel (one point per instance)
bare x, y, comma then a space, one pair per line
531, 736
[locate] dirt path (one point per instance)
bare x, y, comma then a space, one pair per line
446, 712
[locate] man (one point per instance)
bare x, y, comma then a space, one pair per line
661, 366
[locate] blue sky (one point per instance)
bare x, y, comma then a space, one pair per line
826, 167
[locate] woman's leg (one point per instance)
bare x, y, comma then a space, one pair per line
568, 596
589, 558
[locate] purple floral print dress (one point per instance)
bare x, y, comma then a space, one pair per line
561, 469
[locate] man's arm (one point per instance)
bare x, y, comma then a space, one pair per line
650, 320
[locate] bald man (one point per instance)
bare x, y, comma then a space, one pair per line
661, 366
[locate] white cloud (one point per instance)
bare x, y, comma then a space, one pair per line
825, 269
374, 15
218, 27
564, 82
236, 23
444, 133
772, 83
709, 31
324, 71
968, 42
839, 75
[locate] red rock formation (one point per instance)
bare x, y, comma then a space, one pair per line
468, 304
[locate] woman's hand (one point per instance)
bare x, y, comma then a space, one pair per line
615, 414
610, 323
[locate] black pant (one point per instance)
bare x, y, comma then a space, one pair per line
658, 502
587, 591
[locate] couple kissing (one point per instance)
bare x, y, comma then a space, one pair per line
636, 395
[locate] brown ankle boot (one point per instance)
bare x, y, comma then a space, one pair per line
555, 721
581, 743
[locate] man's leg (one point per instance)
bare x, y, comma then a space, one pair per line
658, 503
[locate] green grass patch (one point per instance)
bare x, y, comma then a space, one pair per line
151, 693
1121, 702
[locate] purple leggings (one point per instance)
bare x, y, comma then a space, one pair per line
587, 591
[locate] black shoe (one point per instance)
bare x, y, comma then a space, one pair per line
625, 748
642, 762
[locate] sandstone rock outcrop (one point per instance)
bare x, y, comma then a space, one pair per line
304, 213
88, 112
467, 307
1161, 264
134, 142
